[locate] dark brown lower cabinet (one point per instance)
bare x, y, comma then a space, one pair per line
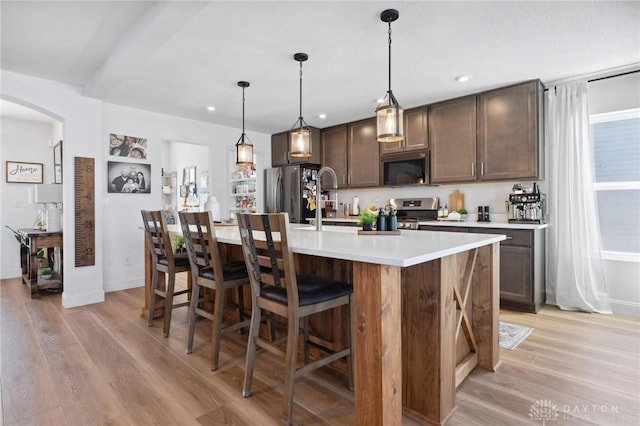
522, 265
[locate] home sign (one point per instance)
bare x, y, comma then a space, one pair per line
20, 172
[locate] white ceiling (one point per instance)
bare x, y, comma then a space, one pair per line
176, 57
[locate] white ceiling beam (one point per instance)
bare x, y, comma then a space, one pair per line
147, 36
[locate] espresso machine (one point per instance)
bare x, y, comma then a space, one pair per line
526, 205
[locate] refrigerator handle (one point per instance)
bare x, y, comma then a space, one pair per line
279, 194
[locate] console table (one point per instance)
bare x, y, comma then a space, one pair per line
32, 241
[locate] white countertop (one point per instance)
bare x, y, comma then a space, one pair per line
341, 242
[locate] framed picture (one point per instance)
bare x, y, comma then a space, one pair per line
128, 178
127, 146
57, 162
21, 172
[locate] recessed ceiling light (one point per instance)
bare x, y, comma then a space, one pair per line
211, 108
322, 116
463, 78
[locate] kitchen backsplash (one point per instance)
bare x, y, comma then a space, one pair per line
493, 195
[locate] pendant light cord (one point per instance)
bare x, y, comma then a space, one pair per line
300, 96
243, 113
389, 63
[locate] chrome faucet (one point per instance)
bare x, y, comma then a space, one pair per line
319, 194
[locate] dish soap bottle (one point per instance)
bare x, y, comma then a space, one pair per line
445, 211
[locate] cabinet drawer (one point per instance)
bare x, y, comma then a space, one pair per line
50, 240
515, 237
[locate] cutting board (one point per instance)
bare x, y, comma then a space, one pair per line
456, 201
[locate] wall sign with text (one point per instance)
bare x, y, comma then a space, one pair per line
21, 172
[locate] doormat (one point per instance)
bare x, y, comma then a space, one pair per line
512, 335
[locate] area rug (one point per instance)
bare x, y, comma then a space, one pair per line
512, 335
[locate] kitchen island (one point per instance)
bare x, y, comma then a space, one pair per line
439, 289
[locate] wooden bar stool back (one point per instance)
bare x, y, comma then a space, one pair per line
208, 270
276, 288
164, 260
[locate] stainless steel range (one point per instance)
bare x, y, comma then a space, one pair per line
410, 211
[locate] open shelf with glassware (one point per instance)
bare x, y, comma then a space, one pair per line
169, 182
243, 192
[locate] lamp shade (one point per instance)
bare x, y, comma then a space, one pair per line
300, 142
244, 152
390, 120
47, 193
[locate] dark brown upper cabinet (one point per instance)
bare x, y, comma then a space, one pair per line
334, 154
415, 133
351, 150
490, 136
452, 137
509, 132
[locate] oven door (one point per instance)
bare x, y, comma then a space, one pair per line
410, 168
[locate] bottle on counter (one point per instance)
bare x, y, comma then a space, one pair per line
393, 221
440, 211
445, 211
381, 221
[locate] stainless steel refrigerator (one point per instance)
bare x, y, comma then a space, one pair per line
292, 189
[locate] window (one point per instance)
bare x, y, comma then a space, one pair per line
616, 145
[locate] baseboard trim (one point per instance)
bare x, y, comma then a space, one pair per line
82, 299
622, 307
123, 285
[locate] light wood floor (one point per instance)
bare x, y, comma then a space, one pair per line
101, 364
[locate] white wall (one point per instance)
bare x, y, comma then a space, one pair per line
81, 118
622, 276
123, 245
27, 141
86, 126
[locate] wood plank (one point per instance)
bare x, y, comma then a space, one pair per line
486, 305
377, 301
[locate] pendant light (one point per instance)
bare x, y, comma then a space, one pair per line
389, 115
244, 147
300, 134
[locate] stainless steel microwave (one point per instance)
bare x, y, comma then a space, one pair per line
408, 168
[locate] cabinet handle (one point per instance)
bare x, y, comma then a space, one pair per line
482, 168
473, 169
349, 178
344, 179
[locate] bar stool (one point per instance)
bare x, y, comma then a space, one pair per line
276, 288
164, 260
208, 271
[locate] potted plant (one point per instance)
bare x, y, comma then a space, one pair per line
46, 273
179, 240
463, 213
367, 218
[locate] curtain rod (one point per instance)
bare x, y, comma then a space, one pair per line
598, 75
612, 76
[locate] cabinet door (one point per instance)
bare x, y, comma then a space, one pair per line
364, 155
516, 271
415, 133
280, 149
508, 132
334, 154
452, 136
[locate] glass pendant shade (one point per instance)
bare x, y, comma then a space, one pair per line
244, 147
300, 134
390, 122
300, 142
244, 152
390, 115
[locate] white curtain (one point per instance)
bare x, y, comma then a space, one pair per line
574, 268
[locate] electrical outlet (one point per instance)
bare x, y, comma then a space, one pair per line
127, 260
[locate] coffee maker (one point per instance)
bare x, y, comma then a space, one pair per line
526, 205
